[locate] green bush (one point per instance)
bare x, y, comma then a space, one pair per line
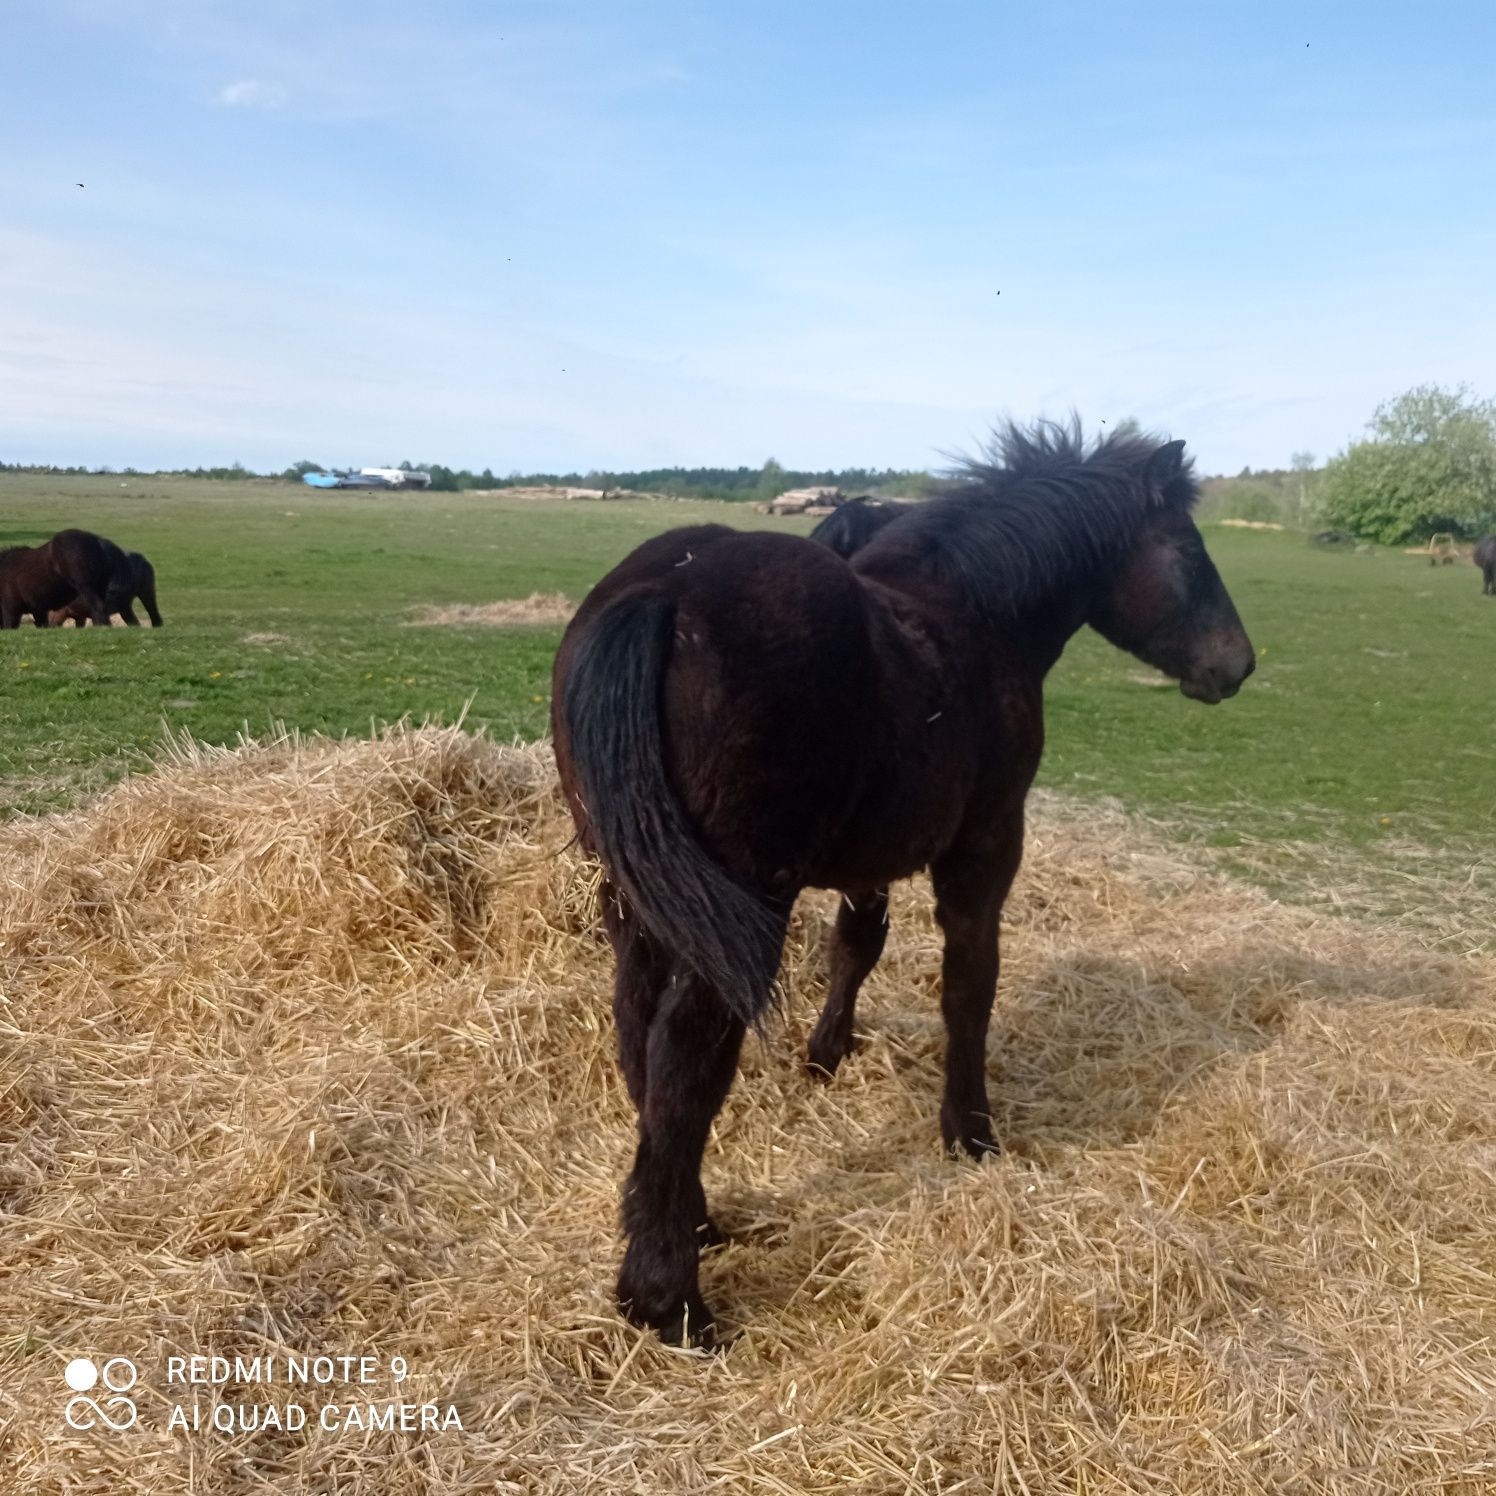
1428, 466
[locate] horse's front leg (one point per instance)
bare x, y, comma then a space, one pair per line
969, 892
690, 1057
856, 943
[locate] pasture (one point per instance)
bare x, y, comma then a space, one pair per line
305, 1048
1366, 727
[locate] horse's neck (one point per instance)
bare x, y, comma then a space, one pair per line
976, 642
1038, 635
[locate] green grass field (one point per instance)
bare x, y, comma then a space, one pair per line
1370, 716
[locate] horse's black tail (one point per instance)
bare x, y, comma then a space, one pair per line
612, 704
145, 587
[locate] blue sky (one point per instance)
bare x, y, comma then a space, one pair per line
561, 235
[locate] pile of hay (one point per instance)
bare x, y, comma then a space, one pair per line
538, 608
304, 1048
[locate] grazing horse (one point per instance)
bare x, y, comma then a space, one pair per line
133, 576
851, 525
36, 579
1485, 558
738, 717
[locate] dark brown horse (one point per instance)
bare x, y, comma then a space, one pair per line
851, 525
738, 717
1485, 558
37, 579
132, 576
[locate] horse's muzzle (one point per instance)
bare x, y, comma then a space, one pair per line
1218, 683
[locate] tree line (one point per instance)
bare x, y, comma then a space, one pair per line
737, 484
1426, 464
235, 470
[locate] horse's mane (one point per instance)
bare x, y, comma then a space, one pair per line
1037, 506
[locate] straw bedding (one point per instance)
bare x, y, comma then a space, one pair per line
538, 608
304, 1048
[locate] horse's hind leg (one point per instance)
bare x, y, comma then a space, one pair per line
969, 894
643, 970
97, 610
690, 1058
126, 612
856, 943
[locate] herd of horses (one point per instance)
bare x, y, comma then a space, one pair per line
75, 576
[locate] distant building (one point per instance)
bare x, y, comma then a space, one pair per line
368, 478
398, 477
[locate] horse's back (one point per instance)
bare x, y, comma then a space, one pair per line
816, 716
82, 540
851, 525
81, 554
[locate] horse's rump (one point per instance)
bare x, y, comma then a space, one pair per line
767, 694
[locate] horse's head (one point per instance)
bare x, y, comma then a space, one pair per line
1165, 601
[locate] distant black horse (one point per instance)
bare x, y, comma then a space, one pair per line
131, 576
738, 717
1485, 558
850, 526
35, 579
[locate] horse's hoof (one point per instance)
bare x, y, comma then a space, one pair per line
823, 1057
979, 1147
688, 1326
693, 1328
972, 1137
661, 1294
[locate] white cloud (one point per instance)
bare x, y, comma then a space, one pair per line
251, 93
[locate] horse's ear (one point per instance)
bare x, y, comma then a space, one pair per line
1166, 464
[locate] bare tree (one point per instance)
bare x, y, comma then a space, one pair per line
1303, 465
